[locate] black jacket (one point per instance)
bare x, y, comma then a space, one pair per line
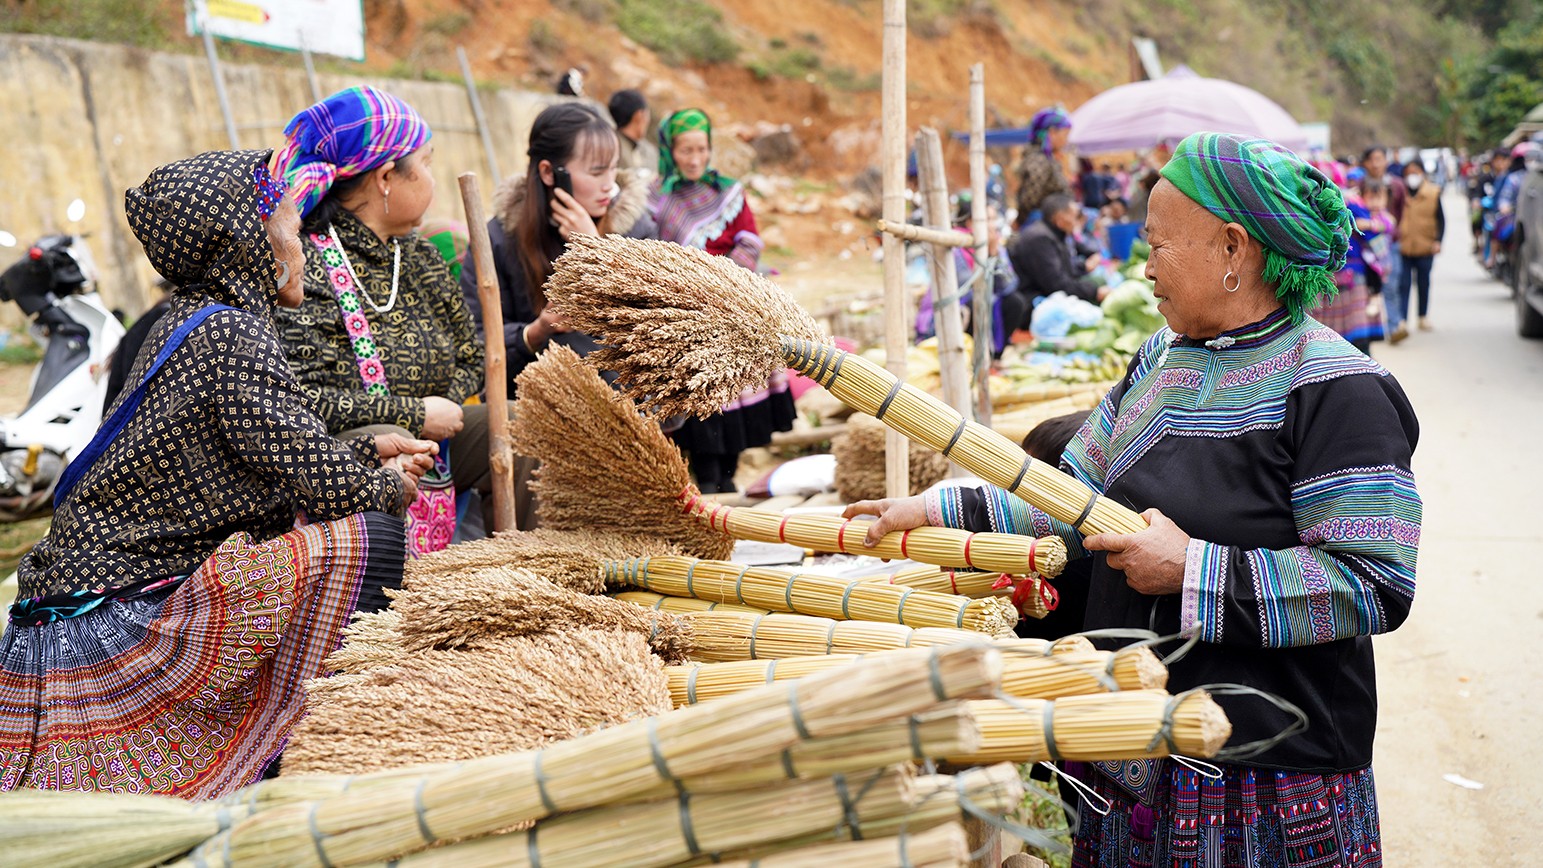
1043, 263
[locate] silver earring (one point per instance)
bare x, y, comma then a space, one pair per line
283, 279
1237, 282
388, 200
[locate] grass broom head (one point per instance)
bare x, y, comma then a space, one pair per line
686, 331
481, 608
507, 695
603, 466
45, 829
860, 461
570, 558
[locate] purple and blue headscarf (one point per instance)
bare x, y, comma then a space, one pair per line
344, 135
1045, 120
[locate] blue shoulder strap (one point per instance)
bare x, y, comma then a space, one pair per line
121, 416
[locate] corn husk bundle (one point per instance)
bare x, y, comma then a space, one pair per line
860, 461
976, 585
505, 695
1030, 677
489, 604
603, 466
681, 605
940, 546
995, 789
808, 594
1138, 724
687, 331
720, 637
570, 558
939, 847
482, 796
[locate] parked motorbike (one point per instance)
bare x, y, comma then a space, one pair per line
54, 283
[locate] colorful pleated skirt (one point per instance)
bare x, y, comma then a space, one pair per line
188, 687
1247, 818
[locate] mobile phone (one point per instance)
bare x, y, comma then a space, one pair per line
562, 180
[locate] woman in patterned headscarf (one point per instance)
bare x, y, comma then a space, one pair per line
165, 626
1272, 460
695, 206
382, 341
1040, 172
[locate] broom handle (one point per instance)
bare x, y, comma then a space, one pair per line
500, 449
823, 363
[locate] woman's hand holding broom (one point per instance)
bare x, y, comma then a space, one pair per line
897, 514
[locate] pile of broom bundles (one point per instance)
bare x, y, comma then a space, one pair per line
686, 332
860, 461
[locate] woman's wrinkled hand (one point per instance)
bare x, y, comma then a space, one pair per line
409, 468
893, 515
392, 445
1152, 560
442, 418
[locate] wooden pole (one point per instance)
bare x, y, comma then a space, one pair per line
981, 303
912, 232
476, 113
213, 58
500, 449
897, 308
947, 316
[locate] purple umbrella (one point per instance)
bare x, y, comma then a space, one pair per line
1144, 114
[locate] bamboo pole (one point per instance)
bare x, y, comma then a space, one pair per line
897, 319
948, 319
501, 452
981, 302
912, 232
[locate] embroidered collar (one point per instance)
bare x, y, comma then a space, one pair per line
1251, 335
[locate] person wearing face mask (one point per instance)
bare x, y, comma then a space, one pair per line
167, 624
571, 187
1420, 230
1042, 257
698, 207
381, 341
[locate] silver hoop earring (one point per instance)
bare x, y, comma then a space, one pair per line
1237, 284
283, 279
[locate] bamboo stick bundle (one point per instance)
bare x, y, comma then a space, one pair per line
689, 333
681, 605
996, 789
1030, 677
675, 830
483, 795
45, 829
939, 847
720, 636
1110, 726
860, 461
603, 466
940, 546
1034, 602
810, 594
492, 603
570, 558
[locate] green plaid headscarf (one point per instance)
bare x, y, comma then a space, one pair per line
1285, 204
685, 121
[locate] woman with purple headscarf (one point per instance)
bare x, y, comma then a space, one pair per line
1039, 172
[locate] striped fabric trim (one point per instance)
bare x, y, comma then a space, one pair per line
1307, 597
1205, 589
1373, 512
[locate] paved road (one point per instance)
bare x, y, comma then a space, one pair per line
1461, 683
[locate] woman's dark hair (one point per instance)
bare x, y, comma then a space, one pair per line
1049, 438
327, 210
560, 131
1372, 187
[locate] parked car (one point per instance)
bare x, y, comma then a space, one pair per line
1527, 273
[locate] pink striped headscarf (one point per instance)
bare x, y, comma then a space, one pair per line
344, 135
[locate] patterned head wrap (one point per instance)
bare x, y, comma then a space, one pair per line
685, 121
344, 135
1045, 120
200, 221
1285, 204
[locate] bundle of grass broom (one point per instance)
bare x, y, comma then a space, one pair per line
687, 332
812, 594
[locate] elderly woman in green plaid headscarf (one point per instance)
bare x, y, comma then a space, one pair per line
696, 206
1271, 459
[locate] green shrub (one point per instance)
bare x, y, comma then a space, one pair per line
128, 21
593, 11
677, 30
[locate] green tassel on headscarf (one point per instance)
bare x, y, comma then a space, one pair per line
685, 121
1285, 203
